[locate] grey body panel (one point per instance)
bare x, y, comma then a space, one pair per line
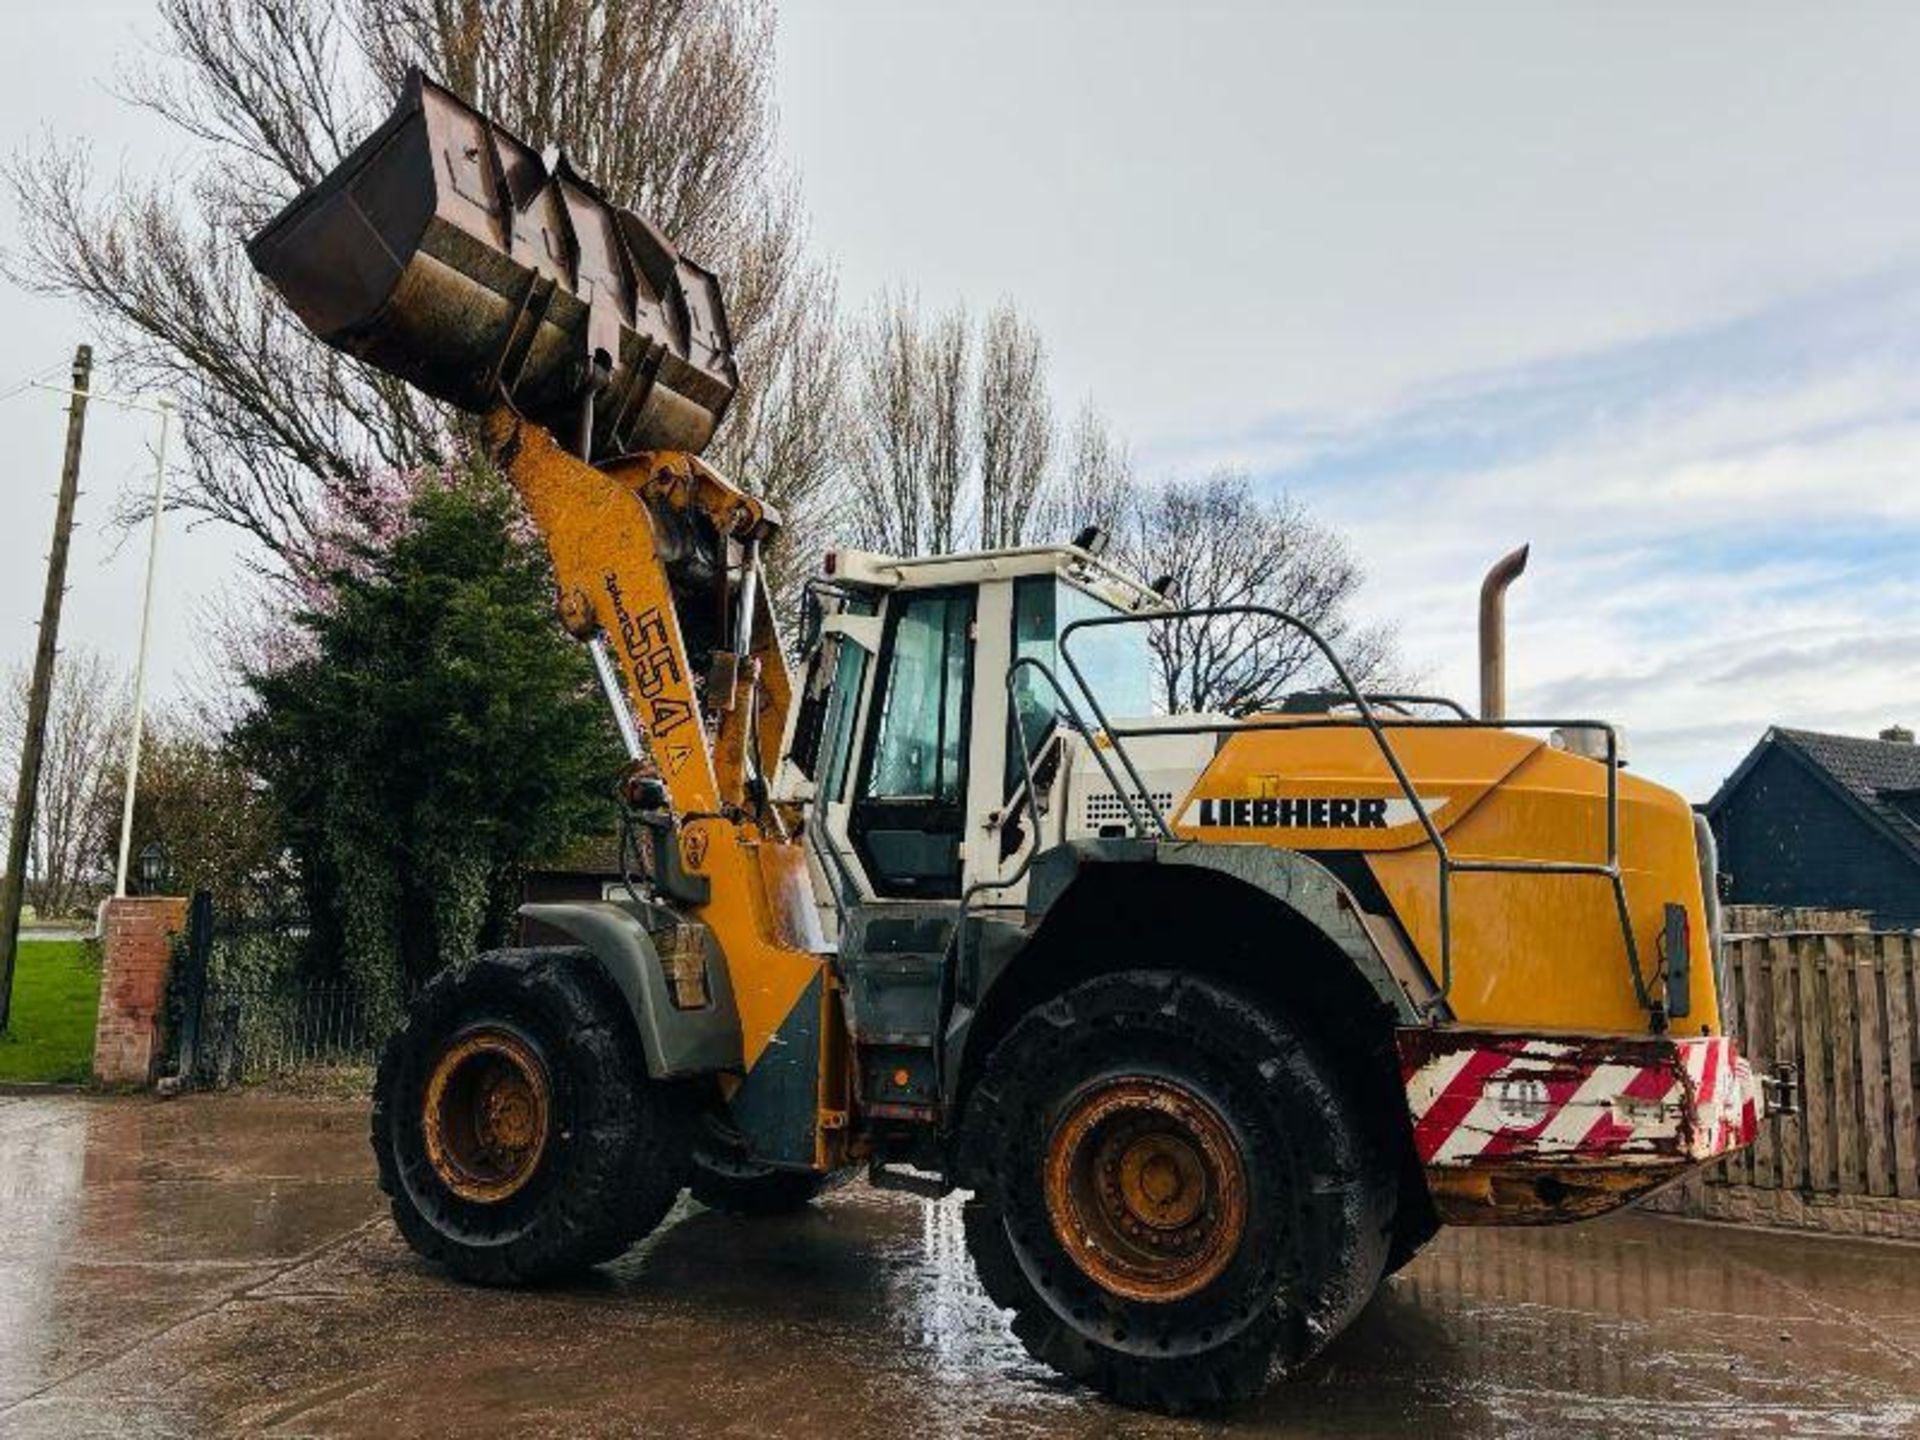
1297, 881
677, 1042
892, 955
893, 967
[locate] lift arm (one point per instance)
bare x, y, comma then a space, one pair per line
614, 535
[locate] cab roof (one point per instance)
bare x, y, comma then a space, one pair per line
865, 569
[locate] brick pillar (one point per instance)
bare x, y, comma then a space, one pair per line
133, 986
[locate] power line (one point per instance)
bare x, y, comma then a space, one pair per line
30, 382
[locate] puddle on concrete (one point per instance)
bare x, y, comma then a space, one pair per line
223, 1263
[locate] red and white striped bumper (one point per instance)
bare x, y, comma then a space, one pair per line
1487, 1099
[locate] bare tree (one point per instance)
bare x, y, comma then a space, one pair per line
667, 103
947, 358
210, 817
1016, 428
785, 433
76, 822
1095, 484
951, 431
1223, 545
906, 448
888, 451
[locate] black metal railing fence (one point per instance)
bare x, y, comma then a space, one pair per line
247, 1003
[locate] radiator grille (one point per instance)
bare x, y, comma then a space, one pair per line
1105, 807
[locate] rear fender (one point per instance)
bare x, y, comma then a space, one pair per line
1296, 881
678, 1043
1007, 960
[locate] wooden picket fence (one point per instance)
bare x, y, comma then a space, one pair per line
1843, 1008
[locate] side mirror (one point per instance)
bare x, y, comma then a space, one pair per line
810, 620
804, 752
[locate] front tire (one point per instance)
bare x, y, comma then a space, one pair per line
1171, 1190
516, 1132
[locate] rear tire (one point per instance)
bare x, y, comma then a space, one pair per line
727, 1179
516, 1132
764, 1192
1171, 1191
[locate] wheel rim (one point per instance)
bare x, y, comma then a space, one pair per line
486, 1114
1146, 1188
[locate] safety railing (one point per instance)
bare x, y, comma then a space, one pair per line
1076, 722
1140, 808
1030, 798
1384, 699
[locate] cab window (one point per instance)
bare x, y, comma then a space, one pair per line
917, 752
828, 703
850, 672
1114, 659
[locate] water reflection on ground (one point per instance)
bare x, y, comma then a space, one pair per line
224, 1263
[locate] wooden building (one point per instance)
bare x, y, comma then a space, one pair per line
1824, 822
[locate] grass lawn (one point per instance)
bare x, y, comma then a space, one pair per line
56, 992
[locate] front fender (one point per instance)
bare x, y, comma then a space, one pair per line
678, 1043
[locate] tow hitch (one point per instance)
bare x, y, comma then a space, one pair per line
1780, 1089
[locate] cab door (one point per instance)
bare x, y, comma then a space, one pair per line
907, 821
820, 751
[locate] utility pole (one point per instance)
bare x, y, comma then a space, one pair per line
13, 884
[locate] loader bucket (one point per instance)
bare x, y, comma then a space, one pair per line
448, 253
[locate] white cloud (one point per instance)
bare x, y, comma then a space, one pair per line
1262, 206
1461, 276
1353, 248
1714, 552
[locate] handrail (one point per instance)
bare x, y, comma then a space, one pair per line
1387, 699
1020, 871
1207, 612
1415, 722
1079, 723
1448, 865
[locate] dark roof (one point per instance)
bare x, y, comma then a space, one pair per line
1877, 778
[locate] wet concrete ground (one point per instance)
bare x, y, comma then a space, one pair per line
224, 1264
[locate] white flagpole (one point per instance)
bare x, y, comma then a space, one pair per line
140, 665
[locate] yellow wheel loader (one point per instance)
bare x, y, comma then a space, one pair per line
1212, 1019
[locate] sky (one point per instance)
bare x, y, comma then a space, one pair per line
1635, 284
58, 68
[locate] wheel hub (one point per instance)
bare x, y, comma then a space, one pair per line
486, 1114
1146, 1188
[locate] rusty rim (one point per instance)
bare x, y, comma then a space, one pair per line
486, 1114
1146, 1188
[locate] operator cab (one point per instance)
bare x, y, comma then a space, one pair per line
902, 731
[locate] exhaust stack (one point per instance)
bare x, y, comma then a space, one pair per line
1493, 632
450, 254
